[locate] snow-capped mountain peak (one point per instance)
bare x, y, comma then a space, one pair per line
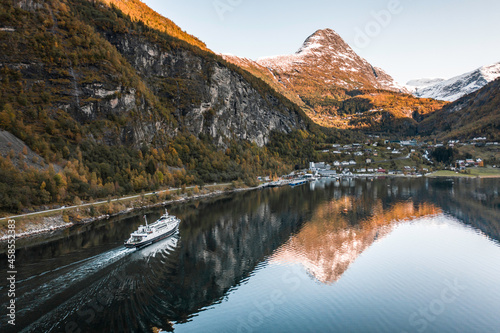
326, 59
458, 86
491, 72
318, 40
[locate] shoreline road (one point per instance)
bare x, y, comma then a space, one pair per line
103, 202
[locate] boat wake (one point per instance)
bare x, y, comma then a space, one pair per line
83, 281
75, 273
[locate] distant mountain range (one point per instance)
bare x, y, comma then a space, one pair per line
337, 88
456, 87
324, 65
474, 115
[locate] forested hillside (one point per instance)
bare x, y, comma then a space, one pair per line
375, 111
474, 115
114, 102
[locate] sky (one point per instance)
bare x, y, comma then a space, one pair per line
408, 39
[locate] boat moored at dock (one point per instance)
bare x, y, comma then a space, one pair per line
297, 182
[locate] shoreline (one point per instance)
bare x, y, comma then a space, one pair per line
56, 223
464, 176
66, 225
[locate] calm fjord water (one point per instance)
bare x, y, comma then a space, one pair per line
383, 255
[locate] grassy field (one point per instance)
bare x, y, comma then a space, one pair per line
485, 153
471, 172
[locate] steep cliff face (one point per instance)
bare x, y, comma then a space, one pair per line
126, 83
208, 97
57, 73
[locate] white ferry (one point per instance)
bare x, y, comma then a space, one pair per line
164, 227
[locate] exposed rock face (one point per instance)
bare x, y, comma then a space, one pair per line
21, 153
239, 110
29, 5
223, 104
89, 101
140, 89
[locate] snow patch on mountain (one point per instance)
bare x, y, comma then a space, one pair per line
456, 87
413, 85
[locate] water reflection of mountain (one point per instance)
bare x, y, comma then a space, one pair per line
329, 244
223, 241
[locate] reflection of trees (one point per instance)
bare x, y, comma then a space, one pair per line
223, 240
328, 244
475, 202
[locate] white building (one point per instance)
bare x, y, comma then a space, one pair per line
317, 166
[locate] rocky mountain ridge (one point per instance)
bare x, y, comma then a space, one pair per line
337, 88
226, 106
326, 59
459, 86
